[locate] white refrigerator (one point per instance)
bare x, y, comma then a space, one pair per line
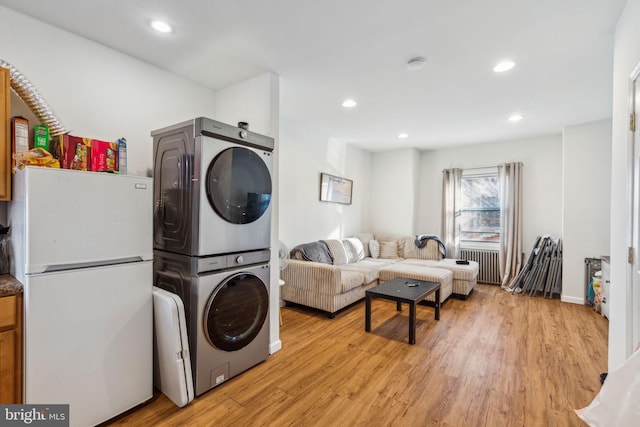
82, 247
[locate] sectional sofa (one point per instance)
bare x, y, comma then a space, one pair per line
356, 264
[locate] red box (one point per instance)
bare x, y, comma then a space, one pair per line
104, 156
85, 154
73, 152
57, 148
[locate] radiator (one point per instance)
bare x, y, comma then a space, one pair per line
489, 264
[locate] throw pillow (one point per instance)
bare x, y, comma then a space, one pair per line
337, 250
389, 250
374, 248
355, 250
365, 238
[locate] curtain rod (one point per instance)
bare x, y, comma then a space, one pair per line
472, 169
481, 167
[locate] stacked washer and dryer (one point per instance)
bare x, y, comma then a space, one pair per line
212, 235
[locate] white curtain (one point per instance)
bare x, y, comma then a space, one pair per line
510, 254
451, 185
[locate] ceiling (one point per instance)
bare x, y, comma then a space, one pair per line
330, 50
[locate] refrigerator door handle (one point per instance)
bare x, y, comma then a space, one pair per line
74, 266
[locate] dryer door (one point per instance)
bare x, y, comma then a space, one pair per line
236, 312
173, 195
238, 185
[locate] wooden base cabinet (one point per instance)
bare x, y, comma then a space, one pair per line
11, 349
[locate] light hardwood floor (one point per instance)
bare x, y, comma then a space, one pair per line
495, 359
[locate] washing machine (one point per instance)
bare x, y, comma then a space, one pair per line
212, 188
226, 301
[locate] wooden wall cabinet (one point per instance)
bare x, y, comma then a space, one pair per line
5, 135
11, 349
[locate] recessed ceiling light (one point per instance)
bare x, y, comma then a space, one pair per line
403, 135
416, 63
515, 118
161, 26
349, 103
503, 66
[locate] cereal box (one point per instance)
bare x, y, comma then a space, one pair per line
122, 156
41, 137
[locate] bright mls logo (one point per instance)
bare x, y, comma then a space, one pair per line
34, 415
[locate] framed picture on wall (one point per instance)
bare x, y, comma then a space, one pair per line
334, 189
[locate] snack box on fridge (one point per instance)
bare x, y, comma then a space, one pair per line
104, 156
73, 152
122, 156
41, 137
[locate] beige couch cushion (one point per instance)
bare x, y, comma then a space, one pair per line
338, 252
419, 272
354, 248
350, 280
369, 268
460, 271
383, 262
387, 237
398, 238
389, 250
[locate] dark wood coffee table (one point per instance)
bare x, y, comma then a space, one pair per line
402, 290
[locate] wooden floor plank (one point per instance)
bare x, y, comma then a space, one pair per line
495, 359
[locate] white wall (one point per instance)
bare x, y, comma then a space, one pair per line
542, 178
394, 185
626, 57
257, 102
586, 182
304, 155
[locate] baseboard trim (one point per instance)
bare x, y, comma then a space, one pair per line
572, 300
275, 346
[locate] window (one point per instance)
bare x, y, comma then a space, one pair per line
479, 220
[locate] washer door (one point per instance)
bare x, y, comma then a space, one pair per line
236, 312
238, 185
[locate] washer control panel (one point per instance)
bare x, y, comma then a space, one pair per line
248, 258
223, 262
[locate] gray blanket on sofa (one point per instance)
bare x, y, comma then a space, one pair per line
314, 251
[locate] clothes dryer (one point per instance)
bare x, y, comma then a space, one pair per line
212, 188
226, 300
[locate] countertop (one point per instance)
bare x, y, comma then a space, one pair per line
9, 285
